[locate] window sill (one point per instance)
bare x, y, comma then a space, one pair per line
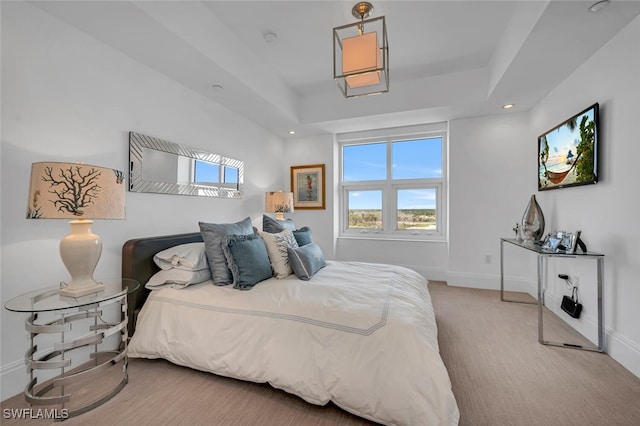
426, 239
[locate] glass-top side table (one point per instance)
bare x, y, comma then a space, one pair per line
73, 380
48, 299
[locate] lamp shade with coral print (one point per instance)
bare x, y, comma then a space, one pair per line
81, 192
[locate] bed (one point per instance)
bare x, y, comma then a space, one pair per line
359, 334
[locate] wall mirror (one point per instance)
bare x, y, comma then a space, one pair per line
164, 167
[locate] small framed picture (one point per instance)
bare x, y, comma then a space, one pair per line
307, 185
567, 242
561, 242
576, 239
551, 243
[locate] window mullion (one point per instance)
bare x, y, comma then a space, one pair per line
393, 207
385, 192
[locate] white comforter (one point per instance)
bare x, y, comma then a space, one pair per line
361, 335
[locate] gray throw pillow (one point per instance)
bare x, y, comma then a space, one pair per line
213, 234
306, 260
303, 236
273, 226
247, 259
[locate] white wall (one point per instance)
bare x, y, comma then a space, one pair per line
492, 174
607, 213
489, 188
67, 97
428, 258
307, 151
491, 180
492, 191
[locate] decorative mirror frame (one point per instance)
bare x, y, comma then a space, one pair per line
137, 144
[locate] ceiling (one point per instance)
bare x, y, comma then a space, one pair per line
448, 59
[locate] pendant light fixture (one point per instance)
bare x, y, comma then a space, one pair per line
361, 54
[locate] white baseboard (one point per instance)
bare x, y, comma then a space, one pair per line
13, 377
619, 347
624, 350
491, 282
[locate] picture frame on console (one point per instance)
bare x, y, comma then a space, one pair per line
551, 242
563, 242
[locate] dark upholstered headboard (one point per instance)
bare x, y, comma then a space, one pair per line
137, 263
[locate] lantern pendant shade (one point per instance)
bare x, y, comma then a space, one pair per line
361, 60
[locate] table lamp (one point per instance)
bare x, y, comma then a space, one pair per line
279, 203
81, 192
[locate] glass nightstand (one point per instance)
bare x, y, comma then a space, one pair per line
75, 389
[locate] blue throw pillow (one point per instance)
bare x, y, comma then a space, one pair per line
247, 259
303, 236
273, 226
306, 260
213, 234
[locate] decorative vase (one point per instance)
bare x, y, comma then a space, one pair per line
532, 222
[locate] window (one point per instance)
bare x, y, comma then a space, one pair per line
365, 209
393, 183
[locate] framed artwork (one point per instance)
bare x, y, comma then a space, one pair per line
307, 185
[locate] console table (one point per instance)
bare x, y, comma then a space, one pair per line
543, 256
65, 311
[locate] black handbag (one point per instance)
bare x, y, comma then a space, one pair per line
570, 304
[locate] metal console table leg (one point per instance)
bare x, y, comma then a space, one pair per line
502, 298
542, 261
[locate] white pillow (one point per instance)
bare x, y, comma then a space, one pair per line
189, 257
177, 278
277, 245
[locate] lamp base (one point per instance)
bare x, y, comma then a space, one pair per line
80, 252
279, 216
81, 290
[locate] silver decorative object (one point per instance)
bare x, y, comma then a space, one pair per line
532, 222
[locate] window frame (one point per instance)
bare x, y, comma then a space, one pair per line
389, 187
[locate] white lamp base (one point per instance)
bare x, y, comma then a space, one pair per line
80, 252
77, 291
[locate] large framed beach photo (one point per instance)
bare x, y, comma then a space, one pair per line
307, 185
568, 153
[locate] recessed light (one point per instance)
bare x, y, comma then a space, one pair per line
508, 106
599, 5
292, 132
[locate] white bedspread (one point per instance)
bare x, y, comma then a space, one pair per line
361, 335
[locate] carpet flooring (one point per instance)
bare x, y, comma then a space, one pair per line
499, 372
